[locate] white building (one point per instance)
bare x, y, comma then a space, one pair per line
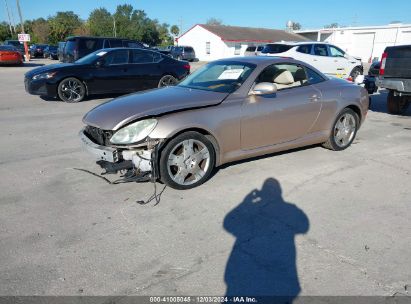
367, 42
211, 42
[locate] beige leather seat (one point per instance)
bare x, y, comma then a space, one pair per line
284, 80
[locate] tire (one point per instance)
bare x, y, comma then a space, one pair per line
397, 105
187, 161
343, 131
167, 81
355, 72
71, 90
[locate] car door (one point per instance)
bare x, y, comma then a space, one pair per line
287, 115
111, 74
341, 63
146, 69
322, 61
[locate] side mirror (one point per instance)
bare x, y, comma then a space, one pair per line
264, 88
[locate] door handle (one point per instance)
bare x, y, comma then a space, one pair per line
314, 98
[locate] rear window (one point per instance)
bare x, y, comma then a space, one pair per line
188, 49
115, 43
70, 46
250, 49
305, 49
276, 48
88, 44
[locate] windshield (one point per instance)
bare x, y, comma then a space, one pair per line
221, 76
91, 58
276, 48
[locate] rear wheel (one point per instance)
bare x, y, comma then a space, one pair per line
397, 105
71, 90
167, 81
187, 161
343, 131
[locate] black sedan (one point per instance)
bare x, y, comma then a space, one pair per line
116, 70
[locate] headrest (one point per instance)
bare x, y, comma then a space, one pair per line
284, 78
299, 75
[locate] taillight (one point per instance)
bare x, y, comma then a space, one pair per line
383, 61
187, 67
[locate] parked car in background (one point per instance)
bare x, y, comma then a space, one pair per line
227, 110
37, 50
395, 76
50, 52
80, 46
370, 79
327, 58
183, 53
19, 46
253, 50
60, 50
10, 55
116, 70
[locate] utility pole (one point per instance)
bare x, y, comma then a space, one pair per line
26, 49
114, 27
8, 15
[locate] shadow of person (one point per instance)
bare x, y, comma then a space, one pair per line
263, 259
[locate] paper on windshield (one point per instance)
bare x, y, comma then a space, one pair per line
101, 53
231, 74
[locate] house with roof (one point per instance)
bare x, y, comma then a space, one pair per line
211, 42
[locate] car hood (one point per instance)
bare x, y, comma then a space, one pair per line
48, 68
118, 112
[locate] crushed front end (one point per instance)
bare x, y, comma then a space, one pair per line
135, 162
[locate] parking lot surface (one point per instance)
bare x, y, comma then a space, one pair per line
308, 222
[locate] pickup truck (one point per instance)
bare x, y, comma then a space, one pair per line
395, 76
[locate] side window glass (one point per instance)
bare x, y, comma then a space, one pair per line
313, 77
117, 57
284, 76
142, 57
305, 49
320, 50
115, 43
335, 52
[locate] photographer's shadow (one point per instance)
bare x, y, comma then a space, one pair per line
263, 258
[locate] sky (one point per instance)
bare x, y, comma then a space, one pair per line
262, 13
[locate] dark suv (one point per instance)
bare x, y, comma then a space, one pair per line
80, 46
183, 53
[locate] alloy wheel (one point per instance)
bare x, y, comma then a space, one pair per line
188, 162
167, 81
344, 130
71, 90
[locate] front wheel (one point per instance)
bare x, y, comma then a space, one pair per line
355, 73
187, 161
167, 81
71, 90
343, 131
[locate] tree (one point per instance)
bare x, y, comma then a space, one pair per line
296, 26
175, 30
4, 31
214, 21
63, 24
101, 23
40, 30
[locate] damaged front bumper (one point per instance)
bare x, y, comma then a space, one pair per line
141, 159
